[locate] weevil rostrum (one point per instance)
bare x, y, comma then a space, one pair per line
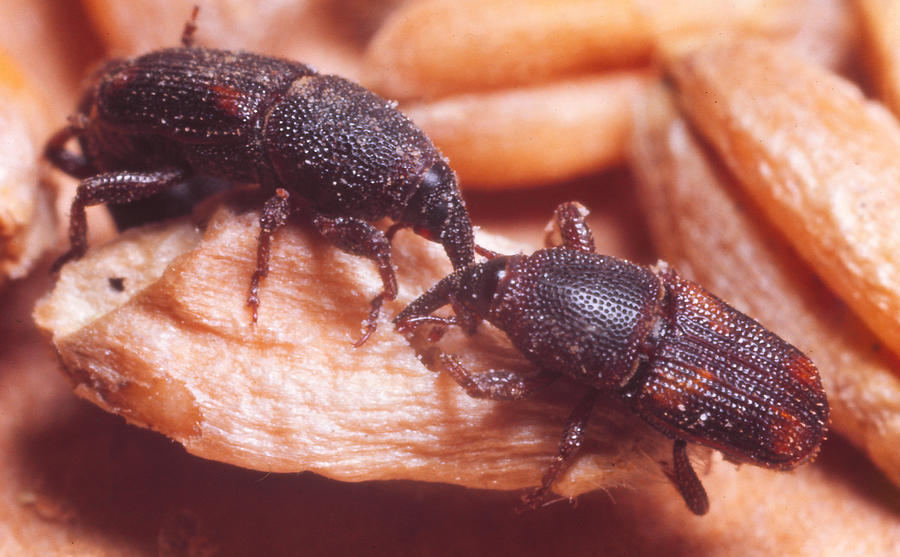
693, 367
150, 123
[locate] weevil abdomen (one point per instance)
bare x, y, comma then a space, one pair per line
715, 376
204, 107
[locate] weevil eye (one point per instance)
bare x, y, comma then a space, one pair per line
436, 212
485, 284
428, 208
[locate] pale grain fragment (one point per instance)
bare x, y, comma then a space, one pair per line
706, 226
534, 135
880, 22
439, 47
27, 221
815, 155
176, 352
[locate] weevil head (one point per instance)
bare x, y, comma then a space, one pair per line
478, 284
715, 376
437, 212
471, 291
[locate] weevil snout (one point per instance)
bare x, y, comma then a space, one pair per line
436, 211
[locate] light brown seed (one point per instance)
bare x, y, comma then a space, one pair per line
535, 135
815, 155
880, 21
705, 225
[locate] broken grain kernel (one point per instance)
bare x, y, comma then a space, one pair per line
290, 393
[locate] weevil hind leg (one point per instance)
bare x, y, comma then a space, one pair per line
274, 215
73, 164
358, 237
686, 481
573, 228
111, 187
572, 440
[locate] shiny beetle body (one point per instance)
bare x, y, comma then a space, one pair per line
350, 157
689, 364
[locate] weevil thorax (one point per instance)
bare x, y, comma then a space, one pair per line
714, 376
577, 313
348, 151
437, 211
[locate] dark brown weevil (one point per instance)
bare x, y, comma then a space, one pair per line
150, 123
689, 364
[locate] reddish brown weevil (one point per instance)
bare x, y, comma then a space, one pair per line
689, 364
150, 123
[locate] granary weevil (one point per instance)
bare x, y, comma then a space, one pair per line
350, 157
689, 364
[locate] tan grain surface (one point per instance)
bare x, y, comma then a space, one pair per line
176, 352
27, 219
534, 135
704, 224
880, 22
438, 47
816, 156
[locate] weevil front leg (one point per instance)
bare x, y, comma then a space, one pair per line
358, 237
111, 187
573, 228
274, 215
419, 311
496, 384
573, 438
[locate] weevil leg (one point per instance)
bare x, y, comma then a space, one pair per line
573, 438
358, 237
496, 384
190, 27
418, 312
486, 253
441, 324
111, 187
73, 164
393, 229
274, 215
575, 233
686, 480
